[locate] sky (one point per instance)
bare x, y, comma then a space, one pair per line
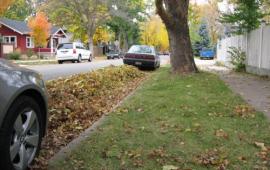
200, 1
223, 6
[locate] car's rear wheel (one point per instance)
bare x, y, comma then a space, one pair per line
158, 65
60, 62
79, 59
21, 134
90, 58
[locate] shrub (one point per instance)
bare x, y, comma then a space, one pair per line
238, 58
14, 56
30, 53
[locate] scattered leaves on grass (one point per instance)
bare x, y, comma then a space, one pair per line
159, 155
221, 134
75, 103
244, 111
263, 154
215, 157
170, 167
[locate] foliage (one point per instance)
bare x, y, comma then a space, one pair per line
102, 34
40, 29
82, 18
128, 33
4, 5
204, 35
246, 16
204, 41
19, 10
238, 58
125, 24
191, 122
75, 103
29, 53
210, 14
154, 33
194, 22
266, 10
14, 56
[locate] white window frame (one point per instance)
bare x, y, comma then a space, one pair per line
31, 42
9, 40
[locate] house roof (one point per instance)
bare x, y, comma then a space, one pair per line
22, 27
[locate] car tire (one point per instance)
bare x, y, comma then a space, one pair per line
25, 115
158, 66
90, 58
79, 59
60, 62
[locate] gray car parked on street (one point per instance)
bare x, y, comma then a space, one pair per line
23, 115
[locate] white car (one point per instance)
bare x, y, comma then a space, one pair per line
75, 51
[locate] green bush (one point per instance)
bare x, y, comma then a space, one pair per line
238, 59
29, 53
14, 56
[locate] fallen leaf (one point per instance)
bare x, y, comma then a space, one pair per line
170, 167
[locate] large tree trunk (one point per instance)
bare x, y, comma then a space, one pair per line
174, 14
91, 45
182, 60
126, 45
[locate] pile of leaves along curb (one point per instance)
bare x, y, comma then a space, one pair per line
75, 103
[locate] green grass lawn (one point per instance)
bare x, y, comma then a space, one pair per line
173, 122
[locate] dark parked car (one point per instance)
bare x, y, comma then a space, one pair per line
113, 55
142, 56
23, 115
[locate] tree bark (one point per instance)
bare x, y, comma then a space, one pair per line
174, 14
91, 45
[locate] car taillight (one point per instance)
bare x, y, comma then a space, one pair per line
74, 51
150, 57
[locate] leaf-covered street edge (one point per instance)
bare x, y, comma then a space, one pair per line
77, 102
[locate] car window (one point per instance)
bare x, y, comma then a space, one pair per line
141, 49
65, 46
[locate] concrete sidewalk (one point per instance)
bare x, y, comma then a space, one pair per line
254, 89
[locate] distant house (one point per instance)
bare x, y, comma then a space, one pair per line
18, 33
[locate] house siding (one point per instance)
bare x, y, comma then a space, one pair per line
21, 39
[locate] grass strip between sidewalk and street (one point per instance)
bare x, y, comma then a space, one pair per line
177, 122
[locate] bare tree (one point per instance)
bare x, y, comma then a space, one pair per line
174, 14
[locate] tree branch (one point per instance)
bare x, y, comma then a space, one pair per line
162, 12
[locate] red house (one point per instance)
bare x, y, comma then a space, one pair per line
18, 33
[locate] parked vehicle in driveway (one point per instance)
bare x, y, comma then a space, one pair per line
73, 52
207, 54
142, 56
23, 115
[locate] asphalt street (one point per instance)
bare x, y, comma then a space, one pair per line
54, 71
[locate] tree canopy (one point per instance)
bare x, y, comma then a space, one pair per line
40, 29
4, 4
247, 16
19, 10
153, 32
